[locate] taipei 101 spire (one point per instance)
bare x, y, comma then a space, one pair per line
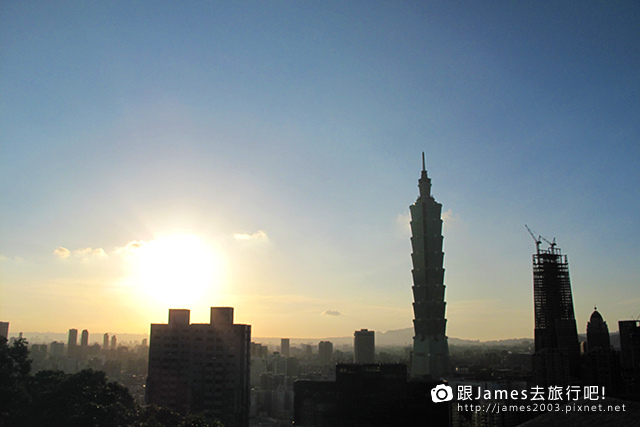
430, 358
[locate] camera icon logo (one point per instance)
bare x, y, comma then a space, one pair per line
441, 393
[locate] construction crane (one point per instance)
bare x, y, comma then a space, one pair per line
551, 244
537, 240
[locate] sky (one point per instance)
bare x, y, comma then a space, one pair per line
263, 155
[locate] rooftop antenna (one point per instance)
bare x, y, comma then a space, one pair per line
424, 168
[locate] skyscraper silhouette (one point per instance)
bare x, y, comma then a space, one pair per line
630, 348
556, 359
72, 343
430, 346
284, 347
84, 343
325, 351
364, 346
600, 363
4, 329
597, 332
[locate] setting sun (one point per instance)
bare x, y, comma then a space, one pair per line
178, 269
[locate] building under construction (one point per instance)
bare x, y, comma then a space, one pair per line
557, 350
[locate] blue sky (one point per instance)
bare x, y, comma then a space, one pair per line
287, 136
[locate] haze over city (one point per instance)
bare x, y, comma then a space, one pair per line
263, 156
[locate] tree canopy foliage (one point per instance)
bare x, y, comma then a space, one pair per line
87, 398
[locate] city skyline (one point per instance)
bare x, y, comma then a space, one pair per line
263, 156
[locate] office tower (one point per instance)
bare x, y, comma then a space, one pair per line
258, 350
105, 342
72, 343
364, 346
114, 342
201, 367
597, 332
630, 347
325, 351
307, 350
284, 347
56, 349
430, 356
556, 360
369, 395
4, 329
600, 363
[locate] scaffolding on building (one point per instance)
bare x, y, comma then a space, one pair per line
557, 350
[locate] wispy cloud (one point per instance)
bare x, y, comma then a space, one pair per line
62, 253
331, 313
90, 253
130, 248
84, 254
258, 236
449, 217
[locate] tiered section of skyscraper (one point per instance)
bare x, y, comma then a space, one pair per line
430, 357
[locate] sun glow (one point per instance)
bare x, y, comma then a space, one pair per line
178, 270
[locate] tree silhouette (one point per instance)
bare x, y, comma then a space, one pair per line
15, 366
82, 399
56, 399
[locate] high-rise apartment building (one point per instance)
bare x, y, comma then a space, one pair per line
556, 360
201, 368
105, 342
56, 349
325, 351
84, 338
430, 357
284, 347
364, 346
72, 343
84, 343
4, 329
307, 350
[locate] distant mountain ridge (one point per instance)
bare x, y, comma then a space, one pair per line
396, 337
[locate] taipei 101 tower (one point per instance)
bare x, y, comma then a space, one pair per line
430, 358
